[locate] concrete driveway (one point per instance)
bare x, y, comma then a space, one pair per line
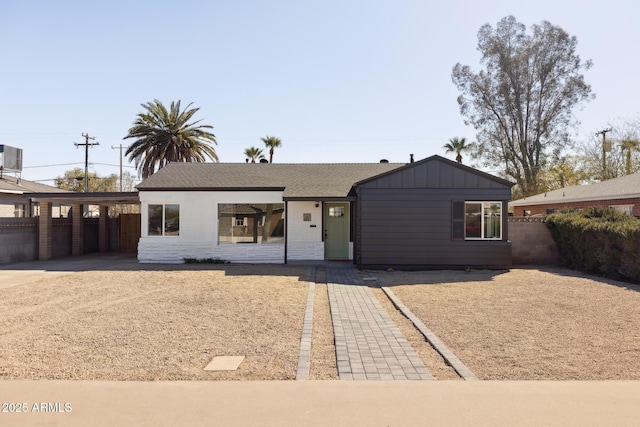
21, 273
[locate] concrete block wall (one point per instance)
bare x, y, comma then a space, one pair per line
531, 242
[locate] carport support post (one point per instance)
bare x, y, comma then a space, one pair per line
77, 240
103, 229
45, 232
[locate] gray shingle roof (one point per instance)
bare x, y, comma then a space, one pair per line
617, 188
300, 180
9, 184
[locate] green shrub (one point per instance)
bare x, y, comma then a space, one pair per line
204, 261
598, 240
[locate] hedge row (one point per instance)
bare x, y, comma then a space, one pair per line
598, 240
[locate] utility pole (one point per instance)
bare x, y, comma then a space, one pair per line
115, 148
603, 132
86, 145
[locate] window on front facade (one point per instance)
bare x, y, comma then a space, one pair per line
628, 209
163, 220
20, 210
251, 223
483, 220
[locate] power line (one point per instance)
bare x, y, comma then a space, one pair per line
49, 166
111, 164
86, 145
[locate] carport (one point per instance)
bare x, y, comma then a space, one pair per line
77, 202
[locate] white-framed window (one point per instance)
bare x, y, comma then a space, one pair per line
20, 210
483, 220
163, 220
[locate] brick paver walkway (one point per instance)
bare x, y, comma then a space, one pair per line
369, 345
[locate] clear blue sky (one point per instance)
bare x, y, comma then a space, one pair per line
337, 81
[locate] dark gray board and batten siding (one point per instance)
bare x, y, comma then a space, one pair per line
404, 217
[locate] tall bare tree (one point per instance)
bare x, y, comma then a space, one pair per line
622, 150
521, 102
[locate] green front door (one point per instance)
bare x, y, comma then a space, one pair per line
336, 230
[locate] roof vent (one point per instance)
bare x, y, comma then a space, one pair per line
410, 158
384, 161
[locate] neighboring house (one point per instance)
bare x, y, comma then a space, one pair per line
621, 193
16, 194
434, 212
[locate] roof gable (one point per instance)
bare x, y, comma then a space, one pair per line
435, 172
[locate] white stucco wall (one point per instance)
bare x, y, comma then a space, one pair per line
7, 210
199, 228
304, 238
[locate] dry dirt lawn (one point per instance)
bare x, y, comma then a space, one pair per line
136, 322
529, 324
164, 324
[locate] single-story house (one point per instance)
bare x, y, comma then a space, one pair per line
430, 213
16, 197
621, 193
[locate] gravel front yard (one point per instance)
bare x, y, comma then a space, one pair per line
529, 324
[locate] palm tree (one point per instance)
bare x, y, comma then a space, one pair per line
629, 145
253, 154
271, 142
457, 145
164, 136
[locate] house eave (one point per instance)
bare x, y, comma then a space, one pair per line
524, 202
320, 199
180, 189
